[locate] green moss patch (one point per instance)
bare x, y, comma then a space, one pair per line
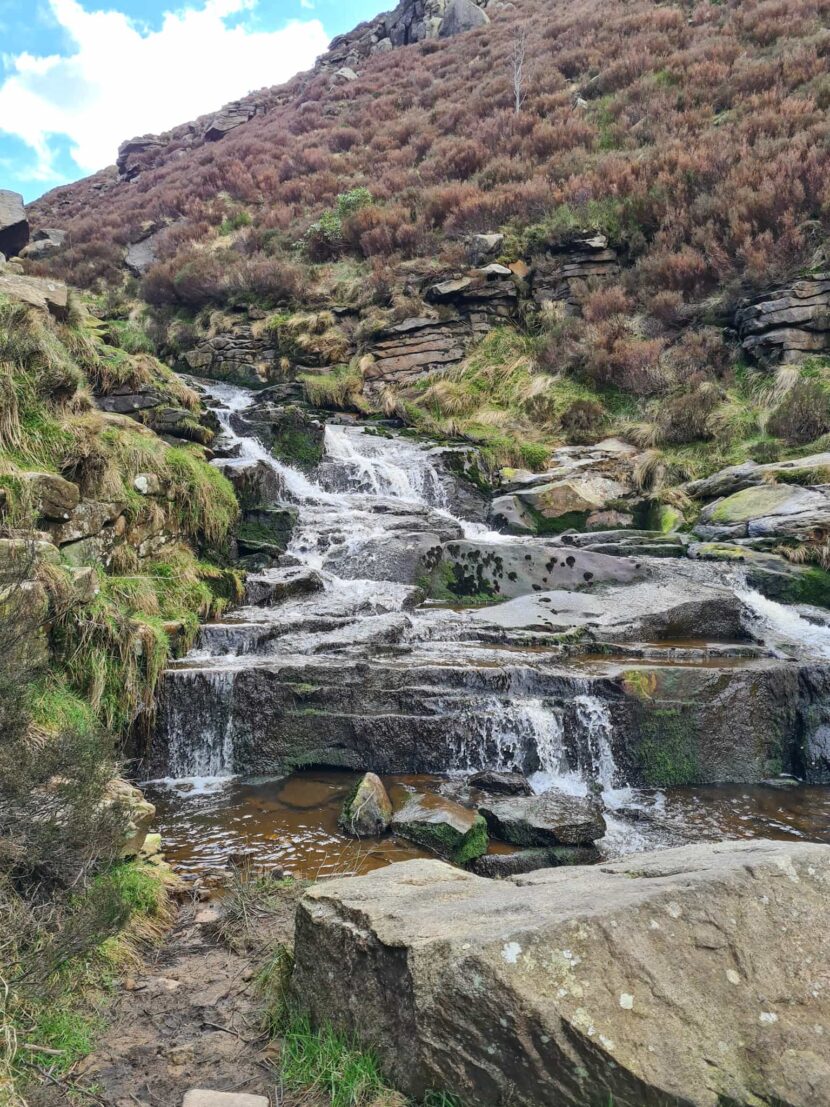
667, 752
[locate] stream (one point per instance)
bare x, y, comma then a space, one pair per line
350, 670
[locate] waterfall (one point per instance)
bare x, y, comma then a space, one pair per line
198, 702
382, 467
370, 493
570, 740
789, 631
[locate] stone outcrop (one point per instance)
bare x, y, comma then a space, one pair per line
14, 224
580, 489
135, 153
52, 498
460, 16
235, 354
748, 474
45, 243
470, 305
415, 347
138, 812
412, 21
564, 267
767, 511
231, 116
787, 324
46, 295
695, 975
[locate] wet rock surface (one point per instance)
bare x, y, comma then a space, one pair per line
442, 826
654, 979
552, 819
650, 665
501, 783
367, 813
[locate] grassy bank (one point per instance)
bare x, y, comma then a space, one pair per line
87, 625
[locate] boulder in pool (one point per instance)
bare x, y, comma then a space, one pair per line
367, 812
453, 832
501, 783
552, 819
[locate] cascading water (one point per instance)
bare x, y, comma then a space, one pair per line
383, 467
785, 627
371, 492
207, 710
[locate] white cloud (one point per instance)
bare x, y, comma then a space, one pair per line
121, 81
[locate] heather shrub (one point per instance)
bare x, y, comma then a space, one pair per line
802, 413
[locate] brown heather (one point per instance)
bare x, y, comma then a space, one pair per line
696, 132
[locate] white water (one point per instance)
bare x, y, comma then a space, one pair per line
785, 628
342, 525
209, 762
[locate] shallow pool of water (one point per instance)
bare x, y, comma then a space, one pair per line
290, 823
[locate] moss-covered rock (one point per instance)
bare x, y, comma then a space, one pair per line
448, 829
291, 433
368, 810
754, 503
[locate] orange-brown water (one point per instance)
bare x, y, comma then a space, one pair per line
291, 822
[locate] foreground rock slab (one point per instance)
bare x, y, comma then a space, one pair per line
696, 975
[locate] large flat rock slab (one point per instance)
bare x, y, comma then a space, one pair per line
513, 568
698, 975
674, 603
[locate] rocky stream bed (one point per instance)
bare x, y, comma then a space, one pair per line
395, 631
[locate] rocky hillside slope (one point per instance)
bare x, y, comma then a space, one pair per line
639, 191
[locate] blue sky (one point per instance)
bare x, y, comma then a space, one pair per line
77, 77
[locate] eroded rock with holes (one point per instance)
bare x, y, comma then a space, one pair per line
509, 569
657, 979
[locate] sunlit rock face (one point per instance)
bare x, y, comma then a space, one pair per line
658, 979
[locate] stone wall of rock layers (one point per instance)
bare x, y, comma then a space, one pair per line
788, 324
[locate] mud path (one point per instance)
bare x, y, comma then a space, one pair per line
190, 1017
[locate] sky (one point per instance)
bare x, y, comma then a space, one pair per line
77, 77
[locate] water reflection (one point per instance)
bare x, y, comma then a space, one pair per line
290, 823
